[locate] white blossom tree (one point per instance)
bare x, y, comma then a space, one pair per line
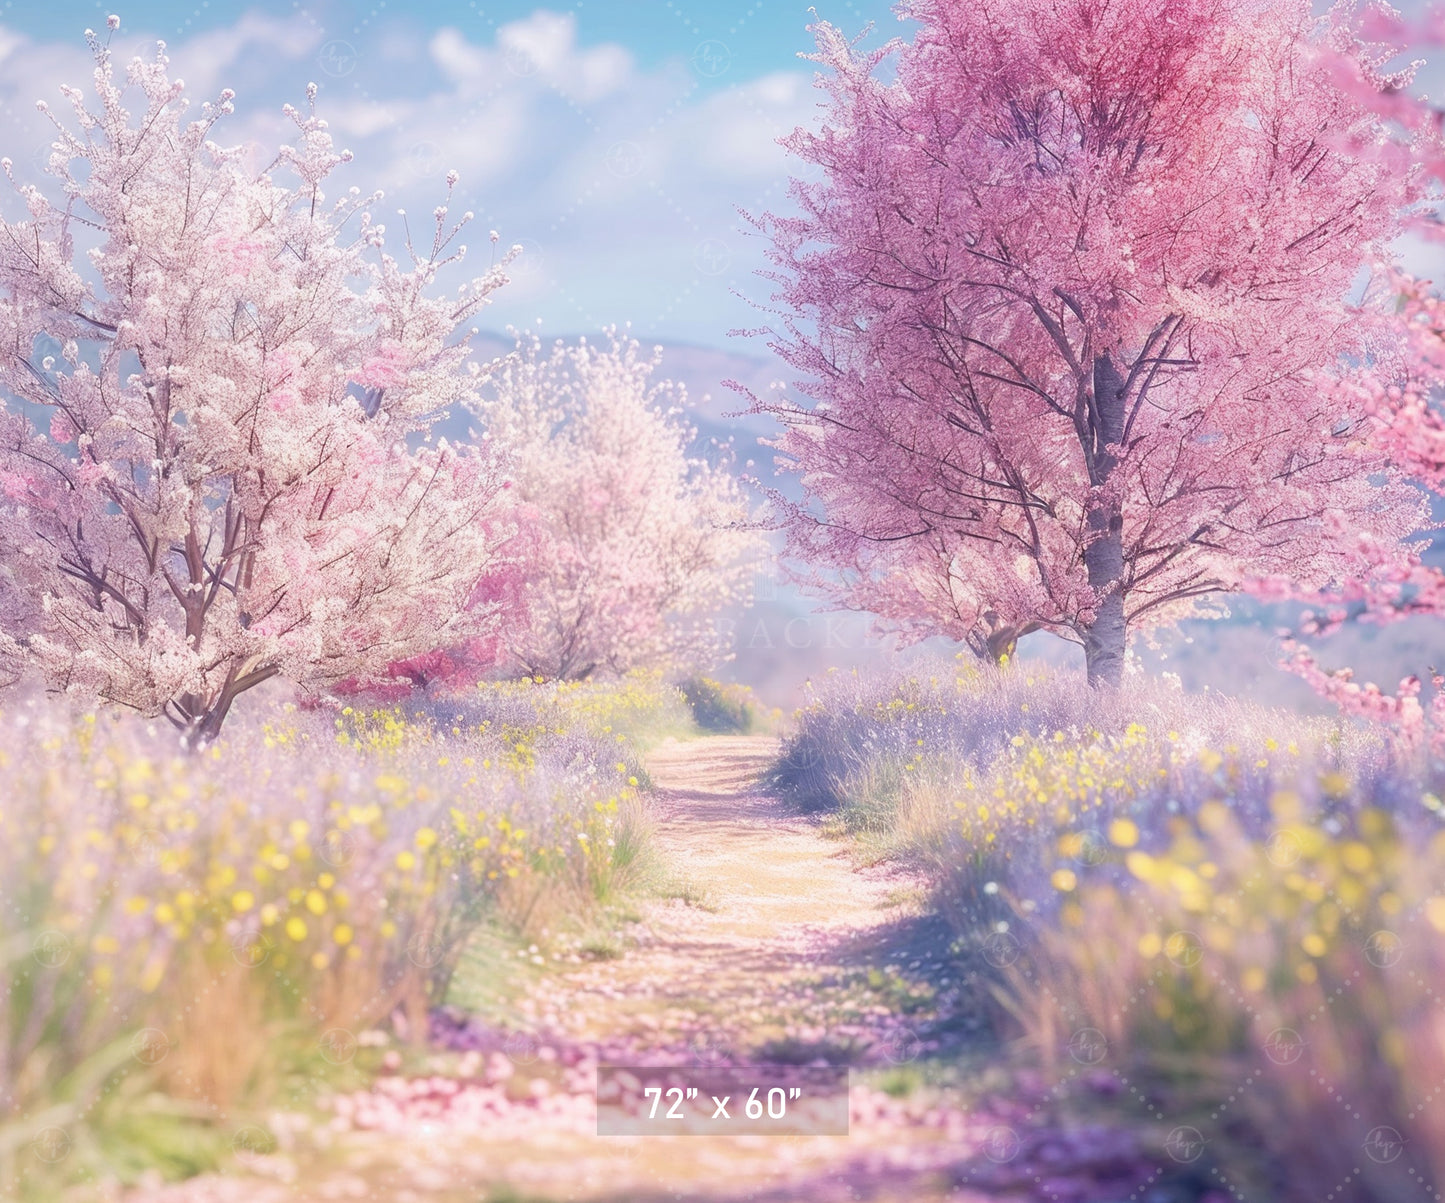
633, 545
235, 480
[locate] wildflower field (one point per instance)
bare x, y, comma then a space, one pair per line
187, 935
452, 754
1144, 941
1222, 921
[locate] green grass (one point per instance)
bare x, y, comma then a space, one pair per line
722, 708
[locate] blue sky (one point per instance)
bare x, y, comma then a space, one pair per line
761, 35
616, 142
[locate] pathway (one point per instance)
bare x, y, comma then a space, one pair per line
778, 949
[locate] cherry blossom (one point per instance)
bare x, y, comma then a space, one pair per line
237, 379
1075, 299
631, 544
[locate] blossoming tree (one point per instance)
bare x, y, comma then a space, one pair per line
1072, 298
231, 368
1402, 394
633, 544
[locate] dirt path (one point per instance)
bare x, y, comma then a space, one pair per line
777, 950
773, 912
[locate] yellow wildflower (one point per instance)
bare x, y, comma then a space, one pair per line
1123, 833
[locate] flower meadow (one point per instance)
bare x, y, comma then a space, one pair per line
338, 657
186, 934
1228, 921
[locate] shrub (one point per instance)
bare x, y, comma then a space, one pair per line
633, 712
723, 708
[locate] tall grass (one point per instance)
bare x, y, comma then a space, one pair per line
1239, 911
956, 712
185, 928
1280, 997
634, 712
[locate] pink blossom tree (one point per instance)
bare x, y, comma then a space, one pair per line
212, 377
1402, 394
632, 544
1076, 297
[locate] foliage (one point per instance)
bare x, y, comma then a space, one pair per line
1234, 910
1366, 57
958, 712
1293, 979
188, 923
632, 544
220, 489
635, 711
1075, 296
723, 708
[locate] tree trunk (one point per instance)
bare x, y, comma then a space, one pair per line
1001, 642
1104, 637
1104, 553
204, 728
200, 722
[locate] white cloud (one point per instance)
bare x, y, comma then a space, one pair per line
464, 64
545, 41
214, 59
542, 49
623, 181
734, 134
